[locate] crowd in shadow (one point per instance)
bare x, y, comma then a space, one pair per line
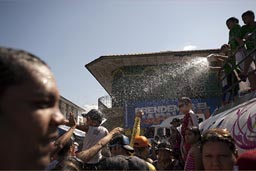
30, 116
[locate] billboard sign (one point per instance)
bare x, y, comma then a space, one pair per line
157, 111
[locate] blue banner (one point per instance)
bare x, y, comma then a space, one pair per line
157, 111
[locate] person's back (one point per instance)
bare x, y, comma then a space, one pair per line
142, 147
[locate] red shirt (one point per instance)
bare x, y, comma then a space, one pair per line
185, 124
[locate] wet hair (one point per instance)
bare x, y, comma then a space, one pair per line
249, 14
195, 130
15, 67
185, 100
219, 135
95, 115
232, 19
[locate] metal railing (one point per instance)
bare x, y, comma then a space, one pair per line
233, 71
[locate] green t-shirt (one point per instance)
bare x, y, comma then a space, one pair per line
233, 34
250, 43
229, 65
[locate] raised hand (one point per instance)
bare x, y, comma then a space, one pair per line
117, 130
140, 113
72, 120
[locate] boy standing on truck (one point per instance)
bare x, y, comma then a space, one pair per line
248, 34
189, 120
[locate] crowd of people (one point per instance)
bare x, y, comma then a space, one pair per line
30, 116
238, 57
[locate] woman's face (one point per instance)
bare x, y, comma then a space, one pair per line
30, 115
217, 156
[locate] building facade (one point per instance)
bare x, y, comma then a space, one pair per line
66, 106
153, 82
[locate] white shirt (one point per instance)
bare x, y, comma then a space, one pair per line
93, 135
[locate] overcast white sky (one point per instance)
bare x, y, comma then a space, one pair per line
69, 34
